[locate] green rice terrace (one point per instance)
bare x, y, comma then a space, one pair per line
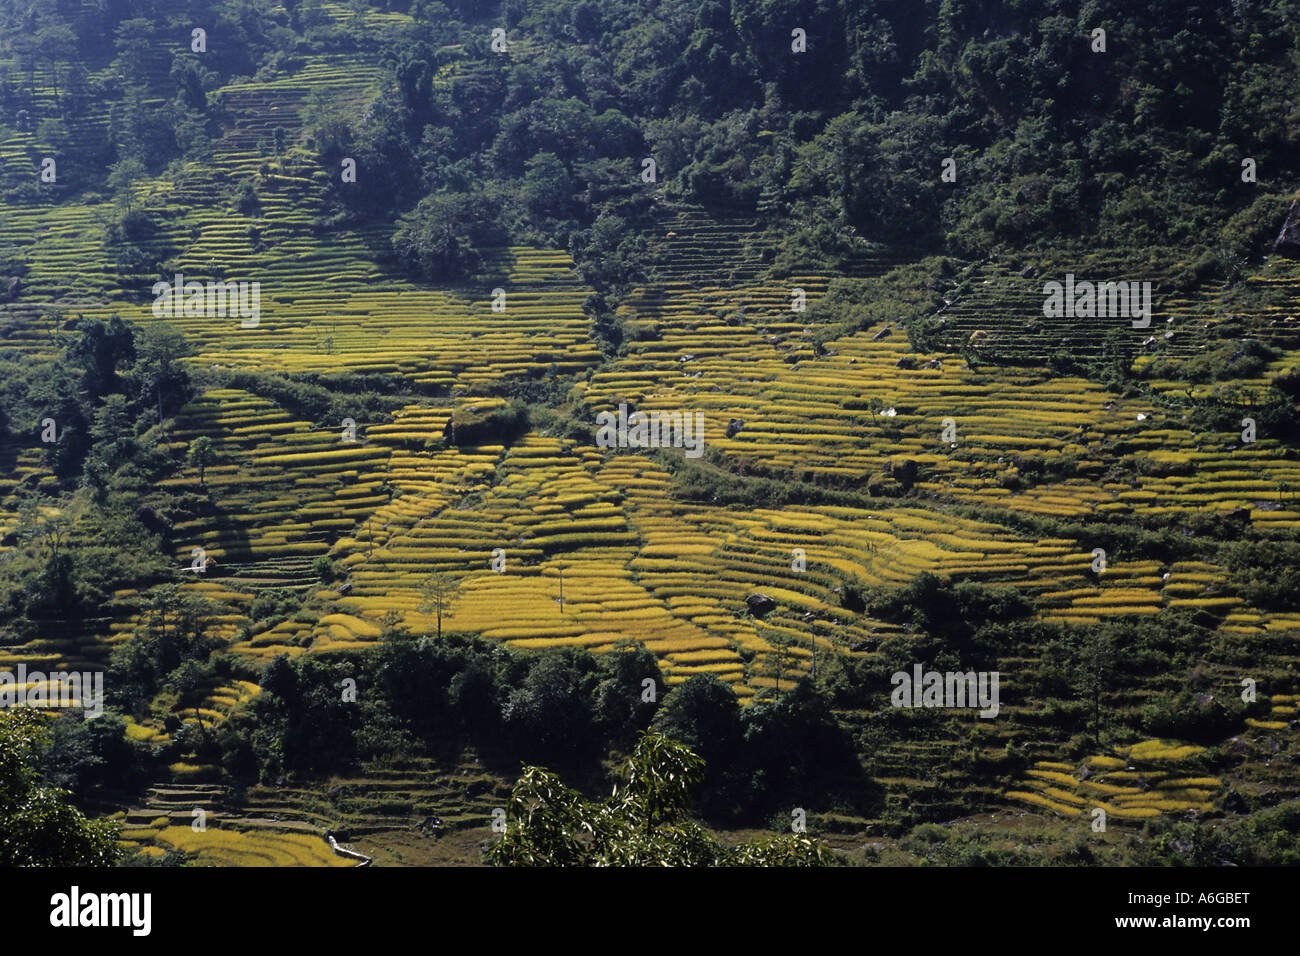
349, 563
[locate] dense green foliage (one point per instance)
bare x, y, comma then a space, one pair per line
644, 822
1138, 144
566, 708
100, 402
38, 824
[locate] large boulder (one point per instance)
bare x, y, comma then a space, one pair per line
1288, 240
760, 604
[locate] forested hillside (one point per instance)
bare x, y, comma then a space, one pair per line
352, 550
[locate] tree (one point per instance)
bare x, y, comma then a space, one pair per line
42, 522
113, 433
159, 379
547, 188
38, 826
551, 711
56, 44
794, 747
188, 77
621, 704
55, 394
704, 713
437, 240
645, 822
949, 612
437, 590
134, 42
776, 662
328, 127
1093, 672
99, 350
122, 177
201, 455
174, 630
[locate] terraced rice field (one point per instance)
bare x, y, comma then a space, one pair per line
598, 545
215, 847
1147, 779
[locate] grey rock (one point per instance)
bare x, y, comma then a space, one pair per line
760, 604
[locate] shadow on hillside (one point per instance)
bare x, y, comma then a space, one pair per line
231, 532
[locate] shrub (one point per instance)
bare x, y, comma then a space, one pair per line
323, 568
